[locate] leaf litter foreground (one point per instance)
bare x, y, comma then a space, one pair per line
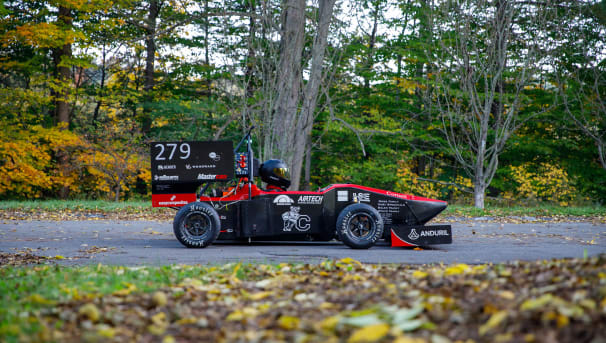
335, 301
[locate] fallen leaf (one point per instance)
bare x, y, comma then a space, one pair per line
371, 333
496, 319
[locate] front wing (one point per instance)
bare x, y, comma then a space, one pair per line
420, 235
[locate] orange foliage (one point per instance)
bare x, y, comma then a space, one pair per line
27, 160
29, 165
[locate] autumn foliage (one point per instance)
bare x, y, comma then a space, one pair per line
104, 169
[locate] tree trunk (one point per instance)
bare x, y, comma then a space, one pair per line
150, 59
288, 85
306, 119
371, 46
478, 195
63, 75
602, 154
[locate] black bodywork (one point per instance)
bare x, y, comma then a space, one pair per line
246, 212
313, 215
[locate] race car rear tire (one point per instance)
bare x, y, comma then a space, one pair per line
197, 225
359, 226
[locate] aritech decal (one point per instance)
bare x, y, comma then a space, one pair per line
310, 199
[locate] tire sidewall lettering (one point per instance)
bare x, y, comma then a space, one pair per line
205, 239
347, 235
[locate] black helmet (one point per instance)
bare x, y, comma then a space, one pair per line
275, 172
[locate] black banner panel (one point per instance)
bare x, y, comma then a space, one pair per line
179, 167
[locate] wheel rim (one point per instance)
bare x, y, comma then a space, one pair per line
361, 225
196, 225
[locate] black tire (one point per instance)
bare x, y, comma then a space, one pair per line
359, 226
197, 225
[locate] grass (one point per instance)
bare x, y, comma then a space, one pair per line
26, 290
87, 205
545, 210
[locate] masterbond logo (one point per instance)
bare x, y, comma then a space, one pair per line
310, 199
283, 200
413, 235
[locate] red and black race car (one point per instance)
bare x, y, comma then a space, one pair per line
358, 216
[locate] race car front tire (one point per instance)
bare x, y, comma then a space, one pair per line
197, 225
359, 226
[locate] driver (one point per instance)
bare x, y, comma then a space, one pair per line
275, 174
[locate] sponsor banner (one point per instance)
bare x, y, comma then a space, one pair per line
191, 161
172, 200
420, 235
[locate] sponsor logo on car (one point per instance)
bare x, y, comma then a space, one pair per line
434, 233
214, 156
166, 177
310, 199
342, 196
283, 200
413, 235
200, 166
294, 220
211, 177
362, 197
167, 167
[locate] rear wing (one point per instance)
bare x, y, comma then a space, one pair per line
179, 168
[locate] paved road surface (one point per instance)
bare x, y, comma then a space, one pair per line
153, 243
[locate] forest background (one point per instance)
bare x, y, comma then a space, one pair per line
467, 101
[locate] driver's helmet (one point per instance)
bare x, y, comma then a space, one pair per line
275, 173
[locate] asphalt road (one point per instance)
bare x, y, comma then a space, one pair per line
153, 243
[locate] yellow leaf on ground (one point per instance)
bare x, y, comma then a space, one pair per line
260, 295
89, 311
496, 319
126, 291
159, 299
39, 300
457, 269
371, 333
106, 331
329, 323
349, 260
406, 339
532, 304
419, 274
509, 295
288, 322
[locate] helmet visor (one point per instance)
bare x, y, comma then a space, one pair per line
282, 172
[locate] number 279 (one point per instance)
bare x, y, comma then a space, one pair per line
184, 150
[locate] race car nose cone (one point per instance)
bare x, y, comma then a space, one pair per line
425, 210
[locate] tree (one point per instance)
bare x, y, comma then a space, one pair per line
481, 63
581, 69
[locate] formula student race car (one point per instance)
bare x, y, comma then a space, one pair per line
356, 215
